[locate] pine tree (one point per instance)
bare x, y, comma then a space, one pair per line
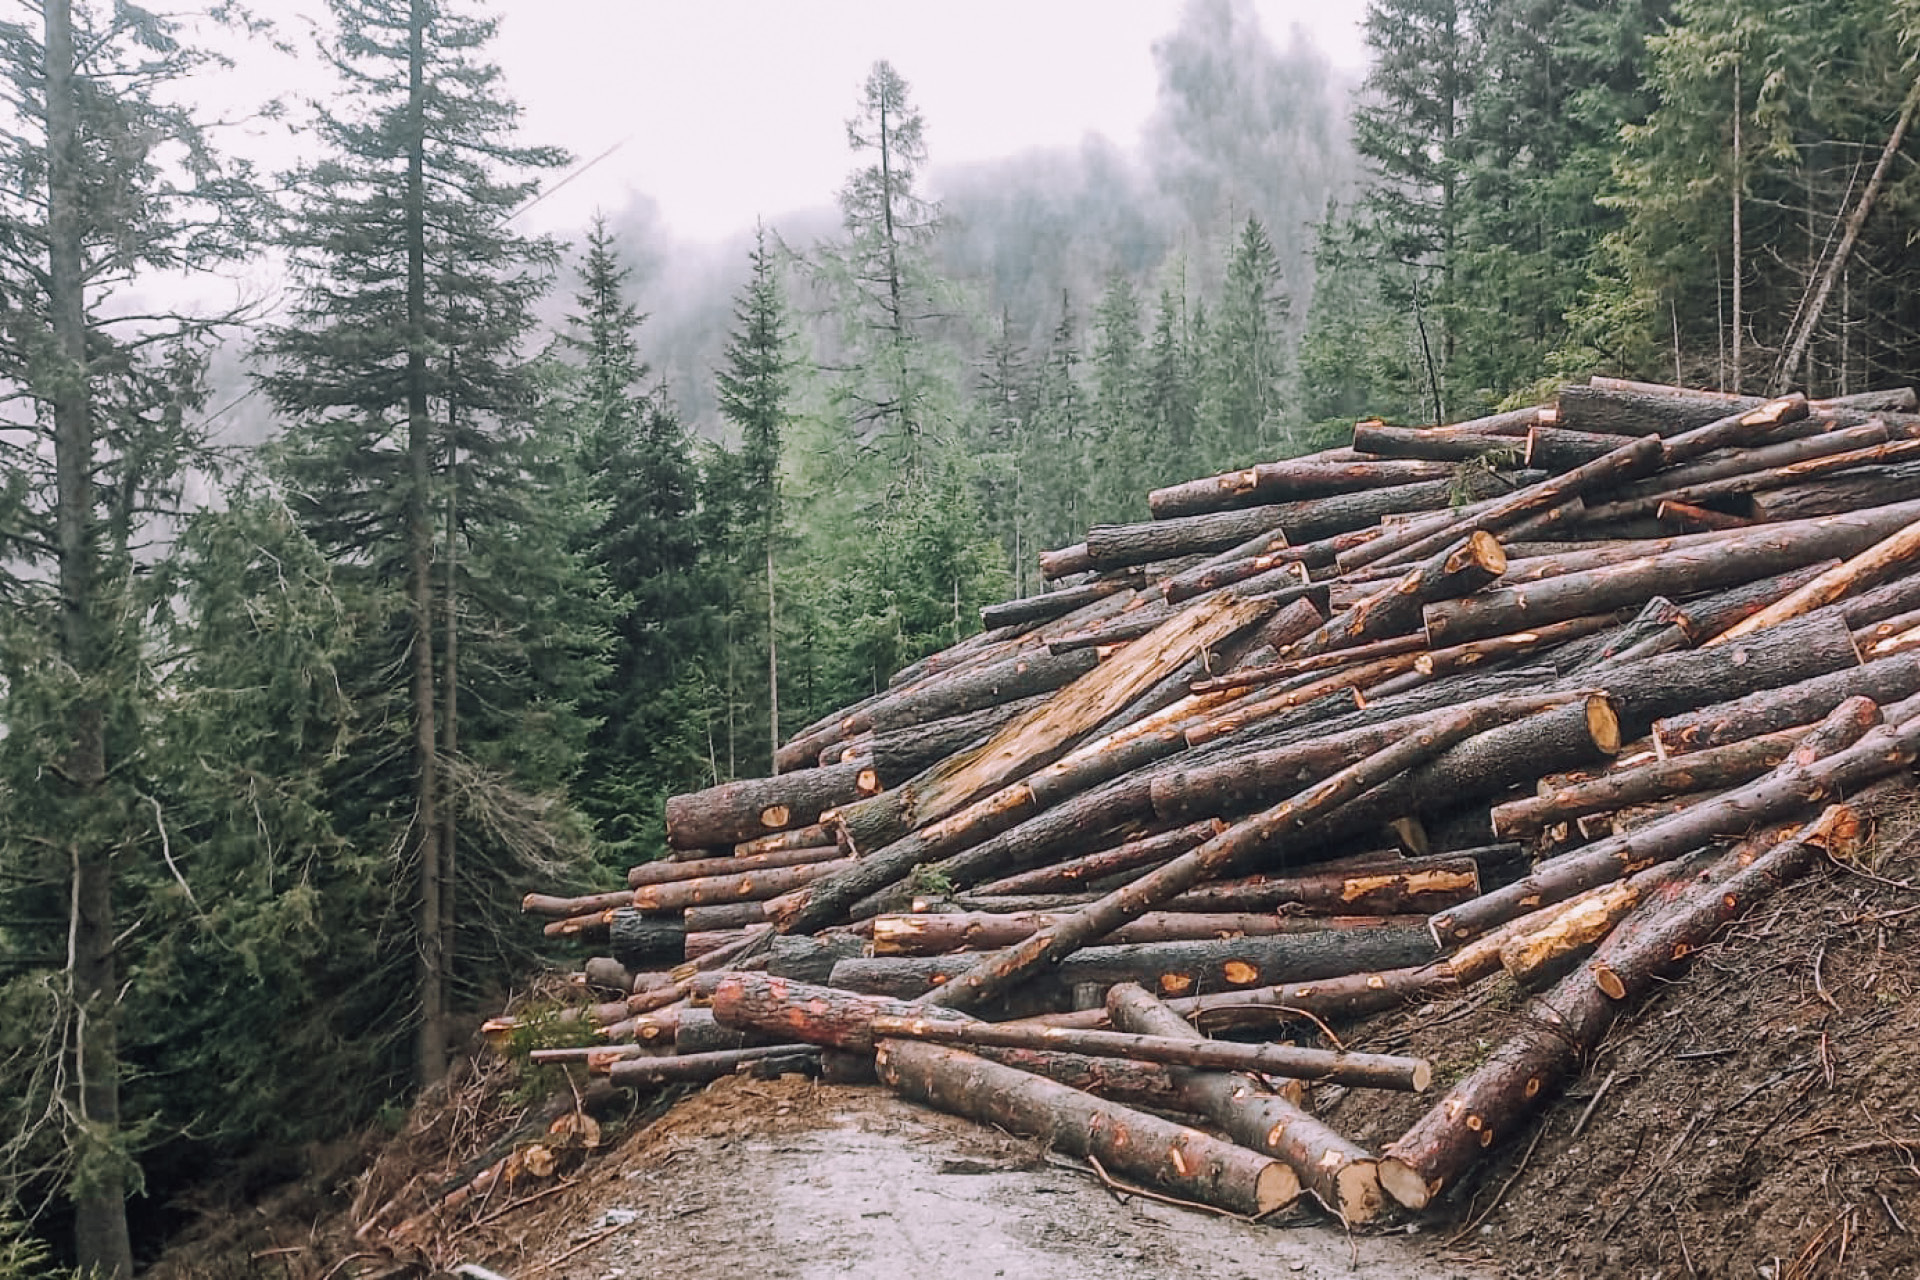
416, 460
103, 178
1169, 406
1120, 441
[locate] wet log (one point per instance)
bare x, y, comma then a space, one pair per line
650, 1073
1129, 1144
1335, 1171
1556, 1030
1294, 478
1056, 604
1822, 765
1092, 868
637, 941
780, 841
1354, 995
898, 754
724, 916
938, 933
1629, 462
735, 811
1169, 968
1286, 820
1012, 680
1359, 1070
1725, 560
1657, 780
1771, 710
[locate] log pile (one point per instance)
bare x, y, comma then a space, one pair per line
1552, 695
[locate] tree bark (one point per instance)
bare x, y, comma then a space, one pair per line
745, 886
1353, 995
1336, 1172
1410, 885
782, 1009
1377, 438
1891, 555
939, 933
1898, 483
1170, 968
1055, 604
1130, 1144
1394, 609
1092, 868
651, 1073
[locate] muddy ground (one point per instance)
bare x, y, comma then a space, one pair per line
1758, 1118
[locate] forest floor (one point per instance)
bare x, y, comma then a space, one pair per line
1760, 1117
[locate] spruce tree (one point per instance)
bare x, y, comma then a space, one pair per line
1241, 405
1120, 476
414, 459
104, 179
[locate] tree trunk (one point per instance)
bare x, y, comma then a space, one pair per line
1377, 438
1055, 604
1891, 555
939, 933
1387, 888
651, 1073
1361, 1070
1838, 495
93, 1069
745, 886
786, 1010
1339, 1174
1129, 1144
1394, 609
1296, 478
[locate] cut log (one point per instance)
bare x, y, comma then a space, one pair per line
1394, 609
1891, 555
1130, 1144
937, 933
1360, 1070
1745, 427
735, 811
1376, 437
650, 1073
1092, 868
779, 841
1335, 1171
1280, 481
1725, 723
1353, 995
1288, 819
980, 687
638, 941
724, 916
1055, 604
1385, 889
1727, 560
1821, 765
1556, 1030
1701, 771
1835, 495
1170, 968
782, 1009
745, 886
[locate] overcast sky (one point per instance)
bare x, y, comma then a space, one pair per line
725, 110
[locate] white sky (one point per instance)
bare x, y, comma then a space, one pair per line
727, 110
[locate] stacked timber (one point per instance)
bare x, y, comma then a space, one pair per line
1552, 695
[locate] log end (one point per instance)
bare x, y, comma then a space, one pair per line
1422, 1075
1405, 1184
1603, 722
1275, 1188
1357, 1193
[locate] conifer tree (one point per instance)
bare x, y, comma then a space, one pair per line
1121, 475
104, 177
1241, 406
415, 458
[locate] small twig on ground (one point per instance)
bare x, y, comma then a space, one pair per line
1820, 987
580, 1248
521, 1203
1120, 1188
1592, 1103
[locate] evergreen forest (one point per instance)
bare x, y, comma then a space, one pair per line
533, 533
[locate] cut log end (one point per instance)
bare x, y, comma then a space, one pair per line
775, 816
1404, 1183
1275, 1188
1357, 1192
1603, 722
1422, 1075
